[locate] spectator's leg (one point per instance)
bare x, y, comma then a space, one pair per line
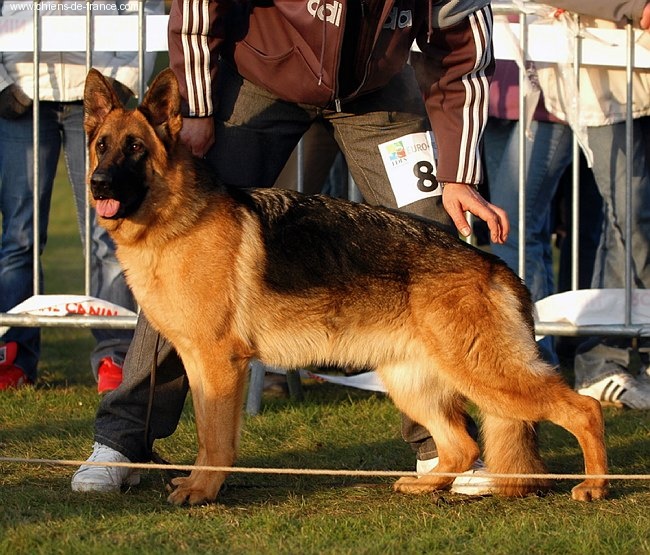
17, 206
107, 279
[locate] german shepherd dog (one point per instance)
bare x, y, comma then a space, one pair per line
227, 274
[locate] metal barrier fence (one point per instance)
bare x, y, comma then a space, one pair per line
148, 33
598, 47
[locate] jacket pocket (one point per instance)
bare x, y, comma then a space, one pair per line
287, 75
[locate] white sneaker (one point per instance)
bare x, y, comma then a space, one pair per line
621, 390
468, 483
104, 478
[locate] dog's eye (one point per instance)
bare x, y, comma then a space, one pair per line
101, 146
136, 148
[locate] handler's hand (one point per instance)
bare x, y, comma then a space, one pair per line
198, 135
645, 17
457, 198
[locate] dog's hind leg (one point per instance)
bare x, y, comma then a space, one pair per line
583, 417
217, 382
441, 410
510, 447
509, 440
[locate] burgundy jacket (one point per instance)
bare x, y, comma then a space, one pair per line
294, 48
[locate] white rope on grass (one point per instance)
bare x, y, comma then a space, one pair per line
315, 471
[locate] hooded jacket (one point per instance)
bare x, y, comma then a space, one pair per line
602, 95
612, 10
299, 51
62, 74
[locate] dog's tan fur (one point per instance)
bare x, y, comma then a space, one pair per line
226, 275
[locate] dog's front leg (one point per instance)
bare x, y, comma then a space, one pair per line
217, 382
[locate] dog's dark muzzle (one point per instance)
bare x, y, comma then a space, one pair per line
101, 184
116, 194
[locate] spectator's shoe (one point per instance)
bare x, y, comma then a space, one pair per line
620, 390
109, 375
468, 483
8, 352
104, 478
11, 377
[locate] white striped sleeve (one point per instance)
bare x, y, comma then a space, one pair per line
196, 55
475, 110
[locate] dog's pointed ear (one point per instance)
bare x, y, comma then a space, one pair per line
99, 100
162, 107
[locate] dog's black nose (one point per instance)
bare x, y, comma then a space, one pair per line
100, 184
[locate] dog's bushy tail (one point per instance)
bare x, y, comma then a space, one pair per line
510, 447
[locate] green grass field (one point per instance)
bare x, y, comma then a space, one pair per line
334, 428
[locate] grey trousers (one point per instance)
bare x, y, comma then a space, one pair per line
255, 135
598, 358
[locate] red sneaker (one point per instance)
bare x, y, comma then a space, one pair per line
109, 375
8, 352
12, 377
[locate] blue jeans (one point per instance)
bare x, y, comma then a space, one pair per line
548, 154
61, 126
608, 144
599, 358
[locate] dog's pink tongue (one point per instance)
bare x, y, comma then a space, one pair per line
107, 207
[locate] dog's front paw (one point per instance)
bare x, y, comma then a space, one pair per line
192, 492
590, 490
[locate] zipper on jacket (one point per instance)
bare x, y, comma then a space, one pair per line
337, 104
